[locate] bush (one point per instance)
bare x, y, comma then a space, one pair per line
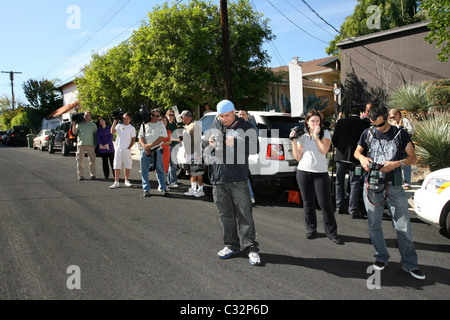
411, 97
432, 140
439, 96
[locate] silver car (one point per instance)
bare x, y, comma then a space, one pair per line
41, 139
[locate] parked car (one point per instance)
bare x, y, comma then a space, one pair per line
432, 200
41, 140
18, 135
2, 134
274, 165
62, 139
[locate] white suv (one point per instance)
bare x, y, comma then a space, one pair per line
275, 164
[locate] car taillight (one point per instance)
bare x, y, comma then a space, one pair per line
275, 152
70, 134
46, 138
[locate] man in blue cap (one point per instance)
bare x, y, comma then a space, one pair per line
230, 141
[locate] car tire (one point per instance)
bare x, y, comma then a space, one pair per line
64, 149
50, 148
447, 223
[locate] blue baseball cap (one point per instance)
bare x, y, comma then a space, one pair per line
225, 106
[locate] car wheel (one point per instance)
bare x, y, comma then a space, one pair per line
447, 223
64, 150
34, 146
41, 147
50, 148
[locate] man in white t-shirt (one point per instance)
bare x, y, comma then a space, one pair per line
126, 135
151, 136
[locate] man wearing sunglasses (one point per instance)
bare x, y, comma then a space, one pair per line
390, 148
151, 136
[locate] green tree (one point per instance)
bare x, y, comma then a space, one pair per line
178, 54
106, 85
438, 12
42, 95
387, 14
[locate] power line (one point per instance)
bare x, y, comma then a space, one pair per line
318, 15
143, 18
296, 24
309, 18
272, 44
107, 17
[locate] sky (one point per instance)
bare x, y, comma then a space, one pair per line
54, 39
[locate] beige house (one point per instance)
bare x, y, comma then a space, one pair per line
319, 77
70, 105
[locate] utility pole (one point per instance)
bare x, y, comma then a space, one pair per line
11, 76
226, 48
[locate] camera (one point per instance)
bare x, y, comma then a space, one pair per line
298, 132
142, 116
118, 114
78, 117
374, 175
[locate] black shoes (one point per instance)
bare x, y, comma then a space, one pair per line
337, 241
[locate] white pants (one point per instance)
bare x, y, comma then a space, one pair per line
123, 157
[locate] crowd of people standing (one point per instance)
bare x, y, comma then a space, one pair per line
377, 138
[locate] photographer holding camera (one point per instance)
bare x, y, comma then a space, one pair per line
151, 136
310, 151
86, 132
126, 135
388, 150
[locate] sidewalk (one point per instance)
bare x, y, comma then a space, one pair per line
410, 193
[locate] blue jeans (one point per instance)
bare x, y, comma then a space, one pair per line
235, 214
397, 203
172, 173
407, 175
145, 166
353, 180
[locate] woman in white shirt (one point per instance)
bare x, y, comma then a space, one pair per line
310, 151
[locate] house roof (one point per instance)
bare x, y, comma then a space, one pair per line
310, 67
383, 33
62, 110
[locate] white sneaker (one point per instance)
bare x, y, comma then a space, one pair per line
174, 185
199, 193
190, 192
128, 183
254, 258
114, 185
226, 253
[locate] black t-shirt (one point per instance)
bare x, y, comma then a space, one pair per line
385, 146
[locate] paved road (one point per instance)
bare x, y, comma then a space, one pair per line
125, 246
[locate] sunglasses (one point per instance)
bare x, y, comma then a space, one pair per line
155, 115
171, 115
381, 124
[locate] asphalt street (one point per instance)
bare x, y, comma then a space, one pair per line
66, 239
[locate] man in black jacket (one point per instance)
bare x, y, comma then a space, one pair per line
229, 142
345, 138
